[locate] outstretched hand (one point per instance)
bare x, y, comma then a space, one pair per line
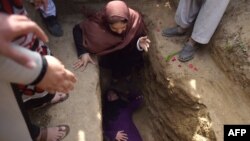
121, 136
12, 27
83, 61
57, 77
144, 43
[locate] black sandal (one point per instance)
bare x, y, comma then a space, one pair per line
174, 31
187, 52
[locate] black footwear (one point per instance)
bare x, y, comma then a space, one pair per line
37, 103
53, 26
174, 31
187, 52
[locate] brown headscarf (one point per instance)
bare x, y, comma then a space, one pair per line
98, 38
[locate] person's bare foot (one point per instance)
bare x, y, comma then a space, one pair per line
56, 133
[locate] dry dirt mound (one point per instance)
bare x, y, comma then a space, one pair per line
231, 43
193, 100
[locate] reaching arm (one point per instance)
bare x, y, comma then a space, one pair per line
83, 56
11, 71
78, 38
49, 73
143, 43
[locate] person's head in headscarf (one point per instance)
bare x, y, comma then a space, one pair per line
117, 16
112, 29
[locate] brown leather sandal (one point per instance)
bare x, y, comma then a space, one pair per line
66, 130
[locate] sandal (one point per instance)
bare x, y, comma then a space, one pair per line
174, 31
62, 97
187, 52
47, 100
58, 137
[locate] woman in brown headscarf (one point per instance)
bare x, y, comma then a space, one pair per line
117, 34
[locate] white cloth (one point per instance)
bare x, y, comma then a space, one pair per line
13, 126
138, 45
204, 14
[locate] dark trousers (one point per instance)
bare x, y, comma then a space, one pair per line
33, 129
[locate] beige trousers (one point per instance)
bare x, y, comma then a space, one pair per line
204, 14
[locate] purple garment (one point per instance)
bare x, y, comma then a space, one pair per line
124, 121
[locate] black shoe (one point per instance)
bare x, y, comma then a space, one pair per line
53, 26
187, 52
174, 31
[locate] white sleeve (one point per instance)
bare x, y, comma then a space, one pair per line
10, 71
138, 45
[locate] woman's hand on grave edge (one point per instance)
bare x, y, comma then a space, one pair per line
83, 61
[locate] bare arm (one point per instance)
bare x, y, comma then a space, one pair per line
54, 78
